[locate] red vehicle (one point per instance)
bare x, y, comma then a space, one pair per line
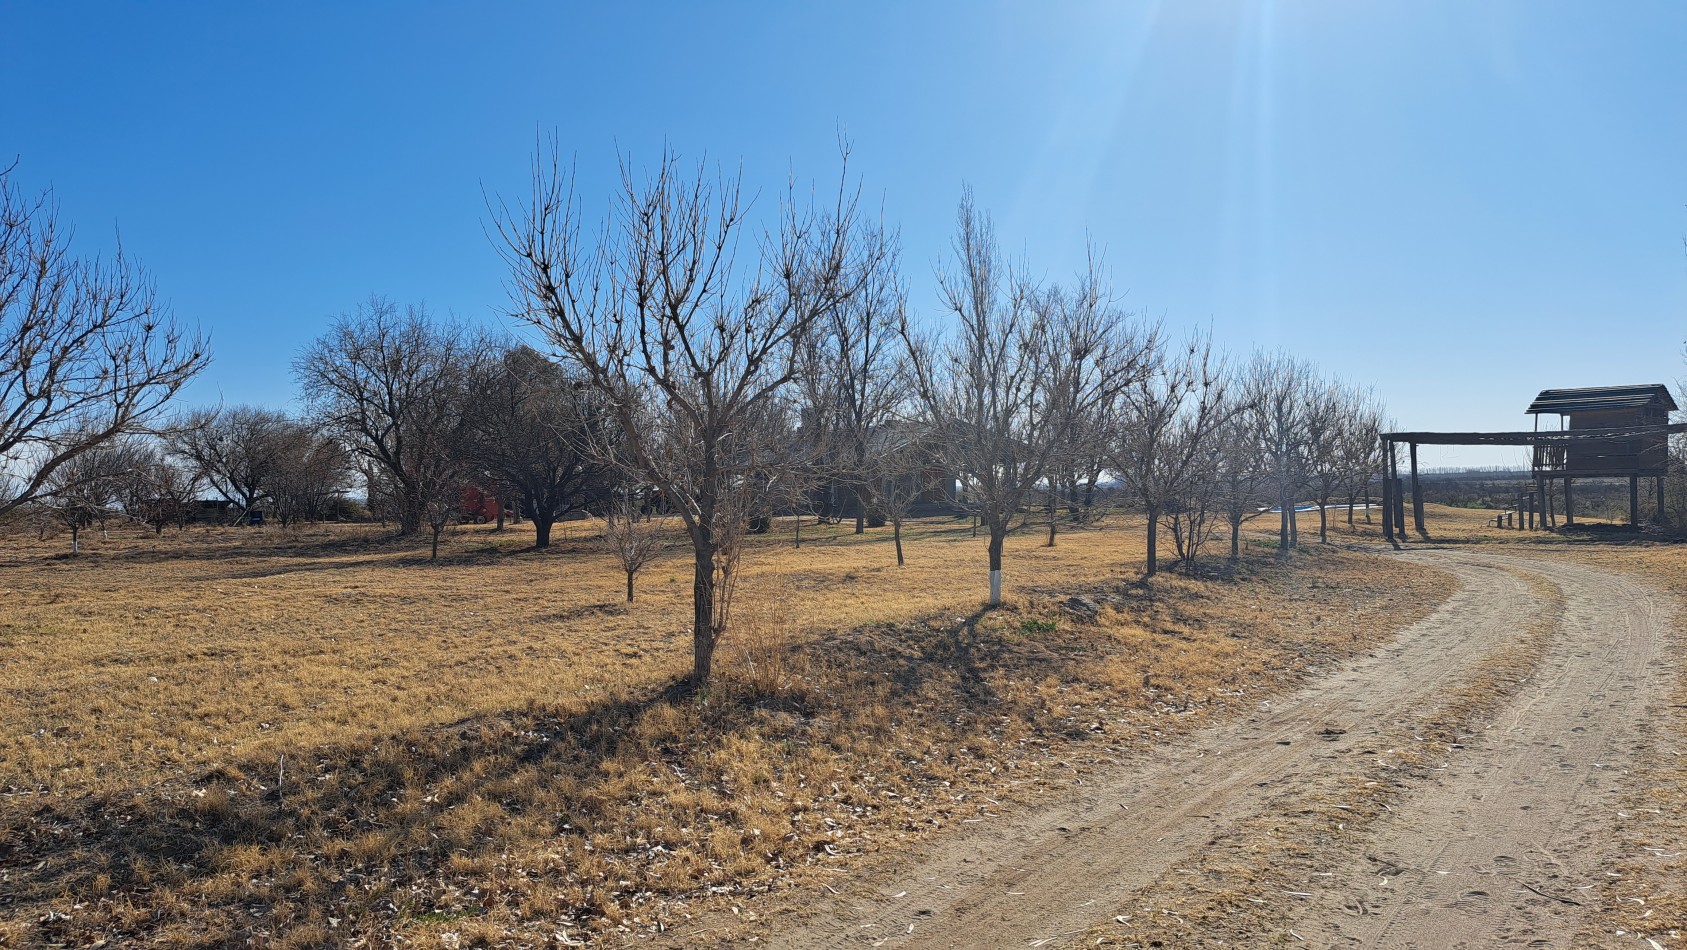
478, 506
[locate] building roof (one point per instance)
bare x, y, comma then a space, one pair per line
1564, 401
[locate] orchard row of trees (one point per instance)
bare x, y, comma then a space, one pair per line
732, 381
402, 408
703, 366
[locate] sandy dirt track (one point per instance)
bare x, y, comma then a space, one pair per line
1490, 852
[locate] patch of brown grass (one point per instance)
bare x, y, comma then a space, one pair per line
314, 737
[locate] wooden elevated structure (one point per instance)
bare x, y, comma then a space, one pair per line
1612, 432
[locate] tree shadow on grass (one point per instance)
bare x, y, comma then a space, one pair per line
379, 833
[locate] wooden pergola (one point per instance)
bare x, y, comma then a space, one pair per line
1543, 443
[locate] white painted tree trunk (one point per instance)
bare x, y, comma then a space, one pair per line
995, 588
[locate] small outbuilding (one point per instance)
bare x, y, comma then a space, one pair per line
1602, 432
1640, 454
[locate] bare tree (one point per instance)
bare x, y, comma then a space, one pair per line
1276, 387
238, 451
1166, 446
1327, 409
1241, 475
850, 382
1675, 479
88, 487
1359, 453
689, 348
1006, 392
438, 500
392, 385
1086, 463
313, 474
901, 460
539, 433
634, 541
87, 351
158, 491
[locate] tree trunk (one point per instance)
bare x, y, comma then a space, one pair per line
1282, 521
542, 530
896, 533
1324, 521
630, 587
1153, 565
437, 528
1053, 507
500, 526
1235, 538
411, 517
75, 540
702, 612
998, 536
860, 518
1352, 497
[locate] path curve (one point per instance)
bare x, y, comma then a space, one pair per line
1523, 806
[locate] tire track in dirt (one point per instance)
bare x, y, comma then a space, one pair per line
1045, 875
1510, 842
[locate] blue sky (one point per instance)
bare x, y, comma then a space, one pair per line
1458, 203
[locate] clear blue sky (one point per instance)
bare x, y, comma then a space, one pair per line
1460, 203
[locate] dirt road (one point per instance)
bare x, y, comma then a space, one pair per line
1496, 844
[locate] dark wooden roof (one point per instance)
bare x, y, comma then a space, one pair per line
1563, 401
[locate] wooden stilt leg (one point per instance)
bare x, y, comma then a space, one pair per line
1417, 496
1388, 510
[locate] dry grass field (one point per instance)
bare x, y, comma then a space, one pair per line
317, 737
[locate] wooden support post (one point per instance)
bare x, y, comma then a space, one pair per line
1400, 506
1388, 484
1569, 503
1634, 501
1529, 501
1663, 516
1397, 484
1396, 531
1417, 496
1387, 506
1540, 502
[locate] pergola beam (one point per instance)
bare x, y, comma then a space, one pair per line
1532, 438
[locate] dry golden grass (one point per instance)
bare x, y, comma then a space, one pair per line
317, 737
1476, 526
